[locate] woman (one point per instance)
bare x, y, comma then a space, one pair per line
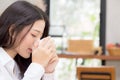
23, 56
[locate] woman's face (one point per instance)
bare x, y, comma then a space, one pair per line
25, 47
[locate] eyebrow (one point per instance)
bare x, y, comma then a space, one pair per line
37, 30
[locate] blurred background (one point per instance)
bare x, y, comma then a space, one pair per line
96, 20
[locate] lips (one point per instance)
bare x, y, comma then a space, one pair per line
30, 49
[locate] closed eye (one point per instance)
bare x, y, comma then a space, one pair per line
33, 35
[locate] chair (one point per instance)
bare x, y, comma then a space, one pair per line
96, 73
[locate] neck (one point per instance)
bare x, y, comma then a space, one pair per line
11, 52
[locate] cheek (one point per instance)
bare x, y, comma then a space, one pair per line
23, 49
28, 41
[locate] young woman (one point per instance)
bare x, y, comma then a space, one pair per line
23, 56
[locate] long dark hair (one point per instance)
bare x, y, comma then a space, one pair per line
15, 18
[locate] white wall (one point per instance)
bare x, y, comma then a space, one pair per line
113, 21
5, 3
113, 29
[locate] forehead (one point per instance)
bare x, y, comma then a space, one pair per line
38, 25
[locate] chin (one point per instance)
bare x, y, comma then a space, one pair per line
26, 57
25, 54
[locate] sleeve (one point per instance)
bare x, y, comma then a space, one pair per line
34, 72
48, 76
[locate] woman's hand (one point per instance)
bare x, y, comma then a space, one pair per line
41, 52
53, 61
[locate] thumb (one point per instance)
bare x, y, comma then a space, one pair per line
36, 44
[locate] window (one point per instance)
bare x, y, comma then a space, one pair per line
81, 19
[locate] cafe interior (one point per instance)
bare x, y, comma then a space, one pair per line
86, 34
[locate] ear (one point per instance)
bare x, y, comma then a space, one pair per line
11, 32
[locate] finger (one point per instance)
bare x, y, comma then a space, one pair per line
54, 55
49, 44
54, 59
54, 51
43, 41
35, 45
50, 50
